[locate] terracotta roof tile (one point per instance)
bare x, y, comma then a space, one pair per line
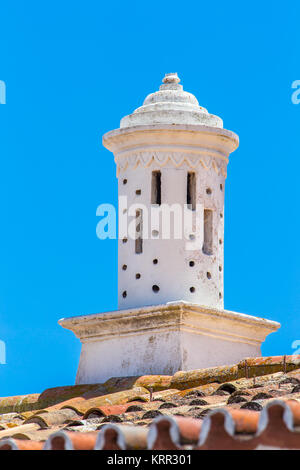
19, 429
217, 433
82, 406
106, 410
63, 440
46, 419
39, 435
113, 437
16, 444
18, 403
164, 434
250, 405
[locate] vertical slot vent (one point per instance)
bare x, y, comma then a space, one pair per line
156, 188
191, 190
139, 231
208, 232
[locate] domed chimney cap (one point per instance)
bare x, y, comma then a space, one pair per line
171, 105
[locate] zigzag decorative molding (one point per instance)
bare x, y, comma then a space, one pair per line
147, 159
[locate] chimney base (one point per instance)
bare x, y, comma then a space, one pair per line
164, 339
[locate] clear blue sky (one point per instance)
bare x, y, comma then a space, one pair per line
72, 70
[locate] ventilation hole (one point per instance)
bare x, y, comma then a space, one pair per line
138, 192
156, 188
155, 288
139, 231
208, 191
221, 187
192, 289
138, 276
155, 233
192, 236
208, 275
208, 232
124, 267
191, 191
192, 263
124, 240
221, 215
220, 268
124, 294
124, 181
155, 261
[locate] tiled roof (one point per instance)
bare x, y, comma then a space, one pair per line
251, 405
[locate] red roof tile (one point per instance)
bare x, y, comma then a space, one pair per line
16, 444
62, 440
254, 404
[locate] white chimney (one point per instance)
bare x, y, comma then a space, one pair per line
171, 157
172, 151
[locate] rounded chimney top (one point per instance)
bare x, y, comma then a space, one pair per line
171, 105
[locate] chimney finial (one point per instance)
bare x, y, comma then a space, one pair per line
171, 78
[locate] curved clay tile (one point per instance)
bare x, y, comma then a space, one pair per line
62, 440
19, 444
217, 433
119, 437
163, 434
53, 418
110, 438
106, 410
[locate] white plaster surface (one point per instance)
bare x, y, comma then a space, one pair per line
151, 139
171, 105
164, 339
